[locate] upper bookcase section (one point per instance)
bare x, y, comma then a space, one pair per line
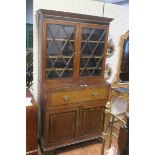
71, 46
59, 15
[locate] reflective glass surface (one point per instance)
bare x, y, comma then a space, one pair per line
59, 51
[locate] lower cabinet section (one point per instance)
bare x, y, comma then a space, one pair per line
73, 122
70, 125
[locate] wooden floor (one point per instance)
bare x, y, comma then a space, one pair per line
86, 148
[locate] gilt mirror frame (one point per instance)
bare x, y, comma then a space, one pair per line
116, 82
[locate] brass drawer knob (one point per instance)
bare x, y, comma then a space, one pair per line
66, 98
94, 94
121, 97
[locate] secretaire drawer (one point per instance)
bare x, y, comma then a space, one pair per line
80, 95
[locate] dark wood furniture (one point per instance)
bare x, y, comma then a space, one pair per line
31, 126
73, 92
123, 141
123, 138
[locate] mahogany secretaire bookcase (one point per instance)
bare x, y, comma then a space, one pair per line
72, 89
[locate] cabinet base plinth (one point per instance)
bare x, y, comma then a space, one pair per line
51, 151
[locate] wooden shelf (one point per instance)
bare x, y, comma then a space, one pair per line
68, 57
58, 69
87, 57
92, 41
90, 68
71, 40
55, 57
61, 39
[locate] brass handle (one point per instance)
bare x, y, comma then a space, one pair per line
66, 98
121, 97
94, 94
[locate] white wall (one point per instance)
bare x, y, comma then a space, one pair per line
118, 26
91, 7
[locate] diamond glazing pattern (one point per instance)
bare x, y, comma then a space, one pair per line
60, 51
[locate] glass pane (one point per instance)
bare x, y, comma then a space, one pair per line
52, 74
86, 49
92, 47
59, 51
68, 48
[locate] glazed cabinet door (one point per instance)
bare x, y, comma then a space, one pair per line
63, 125
59, 48
92, 117
92, 50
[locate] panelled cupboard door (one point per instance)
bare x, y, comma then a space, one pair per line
92, 118
62, 125
59, 49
